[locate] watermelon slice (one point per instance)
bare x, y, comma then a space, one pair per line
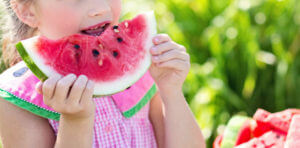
237, 131
114, 60
293, 137
271, 139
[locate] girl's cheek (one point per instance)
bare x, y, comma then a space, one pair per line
60, 23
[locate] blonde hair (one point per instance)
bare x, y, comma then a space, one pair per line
14, 30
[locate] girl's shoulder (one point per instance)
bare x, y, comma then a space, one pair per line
17, 77
17, 85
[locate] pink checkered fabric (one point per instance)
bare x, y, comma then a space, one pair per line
113, 130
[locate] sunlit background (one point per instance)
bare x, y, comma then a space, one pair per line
244, 54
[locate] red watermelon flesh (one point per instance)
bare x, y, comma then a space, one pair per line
114, 60
218, 141
245, 133
293, 137
270, 139
267, 121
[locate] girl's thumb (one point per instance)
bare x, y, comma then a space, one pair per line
38, 87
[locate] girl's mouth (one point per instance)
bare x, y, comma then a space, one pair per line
96, 30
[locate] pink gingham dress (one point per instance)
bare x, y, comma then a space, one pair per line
121, 120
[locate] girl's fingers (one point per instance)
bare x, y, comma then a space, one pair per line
175, 64
62, 88
161, 48
77, 89
161, 38
169, 55
87, 93
166, 46
48, 88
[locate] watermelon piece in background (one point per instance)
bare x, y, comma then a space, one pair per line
271, 139
261, 127
277, 121
293, 137
217, 142
238, 130
114, 57
245, 133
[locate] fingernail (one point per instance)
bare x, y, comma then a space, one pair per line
156, 40
154, 49
155, 58
72, 75
83, 76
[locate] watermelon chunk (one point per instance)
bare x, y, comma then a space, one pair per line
267, 121
293, 137
270, 130
114, 60
237, 131
271, 139
218, 141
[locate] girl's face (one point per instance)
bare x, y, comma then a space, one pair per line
59, 18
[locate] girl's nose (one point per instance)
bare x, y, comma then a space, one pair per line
100, 10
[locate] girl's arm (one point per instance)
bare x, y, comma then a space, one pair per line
22, 129
75, 133
72, 97
170, 66
156, 115
174, 124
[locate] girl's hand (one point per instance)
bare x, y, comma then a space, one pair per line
70, 96
170, 63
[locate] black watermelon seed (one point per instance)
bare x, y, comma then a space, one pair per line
95, 53
115, 27
120, 40
128, 87
77, 57
115, 53
76, 46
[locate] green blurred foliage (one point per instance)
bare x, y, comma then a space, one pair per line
244, 54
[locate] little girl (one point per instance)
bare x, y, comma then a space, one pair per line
29, 108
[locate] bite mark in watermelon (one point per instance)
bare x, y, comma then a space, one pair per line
114, 60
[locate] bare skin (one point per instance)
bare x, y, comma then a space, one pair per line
170, 66
72, 96
77, 108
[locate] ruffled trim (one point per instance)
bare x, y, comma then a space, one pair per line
151, 92
55, 116
28, 106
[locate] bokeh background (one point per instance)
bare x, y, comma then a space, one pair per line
244, 54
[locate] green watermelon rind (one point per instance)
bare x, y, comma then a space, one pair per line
142, 103
38, 73
29, 62
150, 18
232, 130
